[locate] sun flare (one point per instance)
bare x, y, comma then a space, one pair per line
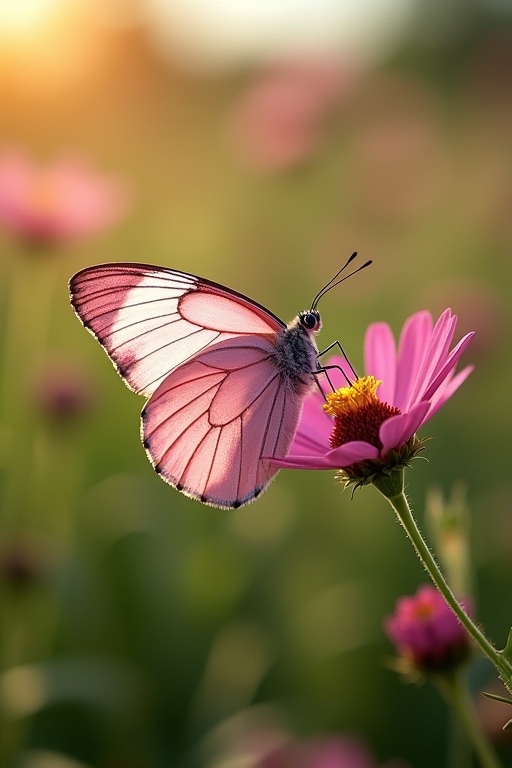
23, 16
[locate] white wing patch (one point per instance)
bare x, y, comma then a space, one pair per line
150, 320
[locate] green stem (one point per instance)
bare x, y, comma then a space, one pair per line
455, 691
401, 506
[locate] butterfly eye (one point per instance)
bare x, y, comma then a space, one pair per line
310, 320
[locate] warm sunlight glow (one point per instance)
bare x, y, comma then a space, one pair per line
216, 33
22, 16
46, 44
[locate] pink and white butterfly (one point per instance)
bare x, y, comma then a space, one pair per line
225, 378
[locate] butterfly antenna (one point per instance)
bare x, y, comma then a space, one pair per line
332, 284
326, 286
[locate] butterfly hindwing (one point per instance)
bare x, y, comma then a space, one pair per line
212, 424
151, 319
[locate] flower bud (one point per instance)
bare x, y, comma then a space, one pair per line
428, 637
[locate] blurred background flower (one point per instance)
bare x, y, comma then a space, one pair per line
330, 752
62, 392
263, 143
63, 201
280, 121
258, 738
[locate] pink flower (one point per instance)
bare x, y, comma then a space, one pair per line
427, 634
58, 203
366, 433
329, 752
278, 123
62, 393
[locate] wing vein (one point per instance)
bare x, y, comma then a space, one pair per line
187, 359
143, 333
172, 415
212, 462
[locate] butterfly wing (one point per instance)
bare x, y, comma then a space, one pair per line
211, 422
151, 319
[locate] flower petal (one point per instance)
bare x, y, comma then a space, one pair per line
351, 453
451, 362
381, 359
411, 350
338, 458
398, 429
447, 388
314, 429
435, 355
338, 371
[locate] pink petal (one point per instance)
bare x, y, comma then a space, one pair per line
339, 373
411, 350
449, 365
398, 429
58, 202
314, 429
435, 355
448, 337
381, 359
351, 453
337, 458
446, 390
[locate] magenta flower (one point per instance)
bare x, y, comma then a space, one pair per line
363, 434
427, 635
279, 122
329, 752
61, 202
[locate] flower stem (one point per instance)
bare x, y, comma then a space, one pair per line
403, 511
454, 690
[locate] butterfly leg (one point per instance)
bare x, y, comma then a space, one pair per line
325, 370
338, 344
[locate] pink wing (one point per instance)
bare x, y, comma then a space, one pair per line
150, 319
208, 426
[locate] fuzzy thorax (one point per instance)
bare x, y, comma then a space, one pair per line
295, 355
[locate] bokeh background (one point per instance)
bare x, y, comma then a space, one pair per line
257, 144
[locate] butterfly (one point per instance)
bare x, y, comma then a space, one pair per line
225, 379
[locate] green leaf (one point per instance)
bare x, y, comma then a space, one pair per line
497, 698
507, 651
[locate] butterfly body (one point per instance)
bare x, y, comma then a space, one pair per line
225, 378
295, 355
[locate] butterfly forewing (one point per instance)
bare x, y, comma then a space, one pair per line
211, 426
151, 319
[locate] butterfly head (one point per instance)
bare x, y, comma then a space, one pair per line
310, 321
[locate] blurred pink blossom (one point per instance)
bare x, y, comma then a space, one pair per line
328, 752
61, 202
426, 633
279, 121
62, 392
398, 146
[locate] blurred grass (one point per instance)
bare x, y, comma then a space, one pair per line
149, 619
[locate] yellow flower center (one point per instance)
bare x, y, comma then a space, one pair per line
358, 413
349, 399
